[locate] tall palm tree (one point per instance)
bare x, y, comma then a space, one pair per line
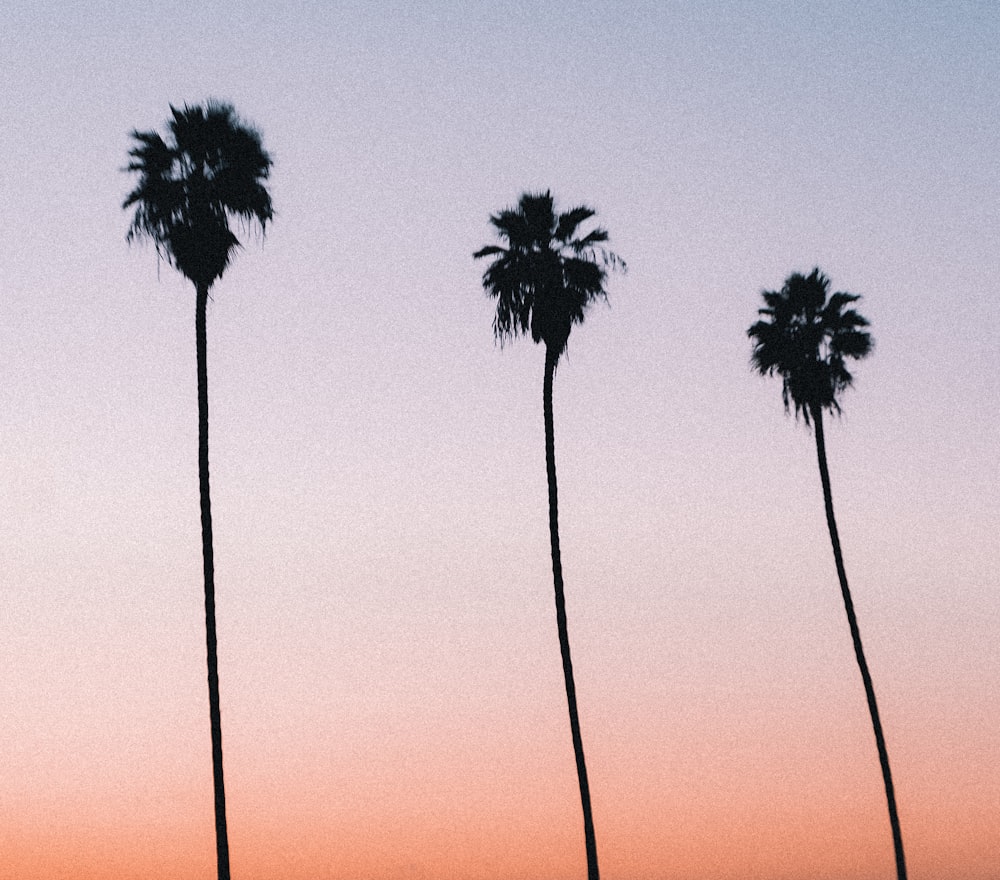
806, 336
210, 171
543, 277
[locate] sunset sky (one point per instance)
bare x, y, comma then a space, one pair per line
392, 699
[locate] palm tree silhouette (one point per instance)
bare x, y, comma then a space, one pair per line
210, 171
805, 337
543, 279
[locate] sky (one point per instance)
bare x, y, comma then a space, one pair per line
392, 698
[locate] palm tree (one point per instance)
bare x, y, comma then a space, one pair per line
211, 170
543, 278
806, 336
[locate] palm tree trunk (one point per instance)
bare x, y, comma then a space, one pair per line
883, 754
214, 711
574, 717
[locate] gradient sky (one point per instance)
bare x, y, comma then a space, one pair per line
392, 698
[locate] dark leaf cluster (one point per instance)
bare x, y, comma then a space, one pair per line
210, 170
542, 275
806, 336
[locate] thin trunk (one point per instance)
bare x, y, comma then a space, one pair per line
883, 754
567, 663
214, 711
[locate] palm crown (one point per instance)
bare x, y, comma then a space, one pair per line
545, 277
807, 338
212, 168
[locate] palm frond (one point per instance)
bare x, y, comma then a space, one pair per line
488, 251
805, 336
210, 170
542, 278
568, 223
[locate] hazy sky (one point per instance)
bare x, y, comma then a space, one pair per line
392, 698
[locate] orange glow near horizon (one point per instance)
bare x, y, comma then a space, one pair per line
455, 822
710, 847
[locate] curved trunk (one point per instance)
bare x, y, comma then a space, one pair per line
214, 711
883, 754
574, 717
